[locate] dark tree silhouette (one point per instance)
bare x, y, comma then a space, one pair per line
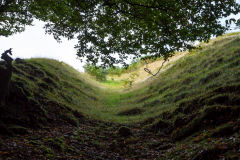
5, 76
126, 28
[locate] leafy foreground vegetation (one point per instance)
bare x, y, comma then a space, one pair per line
190, 111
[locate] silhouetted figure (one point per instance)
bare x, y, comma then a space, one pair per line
5, 76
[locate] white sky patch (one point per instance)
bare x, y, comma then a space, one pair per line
35, 43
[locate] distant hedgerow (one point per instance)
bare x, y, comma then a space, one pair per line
98, 72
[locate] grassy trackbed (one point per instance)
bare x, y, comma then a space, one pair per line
194, 76
189, 111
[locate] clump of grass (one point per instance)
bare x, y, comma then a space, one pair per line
57, 143
48, 152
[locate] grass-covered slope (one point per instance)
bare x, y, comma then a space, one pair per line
196, 101
44, 91
189, 111
194, 82
199, 79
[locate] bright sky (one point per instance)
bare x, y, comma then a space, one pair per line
35, 43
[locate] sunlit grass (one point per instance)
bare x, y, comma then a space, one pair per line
194, 75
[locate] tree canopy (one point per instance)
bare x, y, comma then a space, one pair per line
14, 16
112, 30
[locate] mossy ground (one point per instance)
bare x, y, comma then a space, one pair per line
190, 111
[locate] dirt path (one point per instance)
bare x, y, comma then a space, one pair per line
91, 140
95, 140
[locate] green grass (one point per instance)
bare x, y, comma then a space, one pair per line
113, 84
194, 76
67, 87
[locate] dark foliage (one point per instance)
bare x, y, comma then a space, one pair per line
134, 28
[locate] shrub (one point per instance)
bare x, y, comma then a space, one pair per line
98, 72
